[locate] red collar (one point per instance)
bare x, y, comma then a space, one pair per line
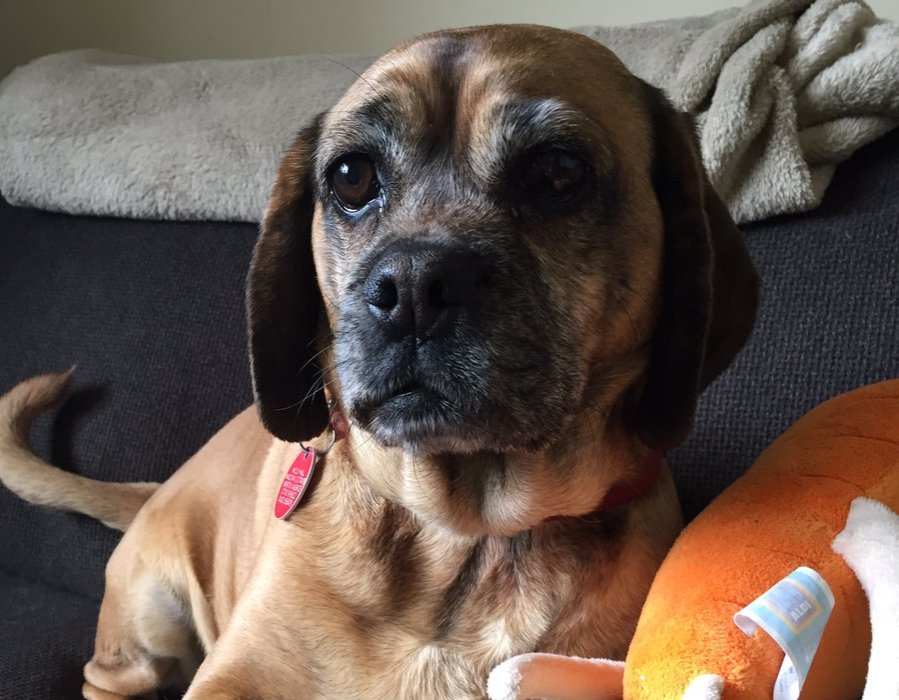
627, 491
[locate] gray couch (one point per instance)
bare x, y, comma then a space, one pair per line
152, 312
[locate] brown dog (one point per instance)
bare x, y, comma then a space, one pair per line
499, 258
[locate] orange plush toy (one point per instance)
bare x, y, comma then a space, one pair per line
824, 496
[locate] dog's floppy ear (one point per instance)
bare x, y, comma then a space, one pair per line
709, 285
284, 303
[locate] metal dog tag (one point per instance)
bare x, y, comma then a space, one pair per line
295, 483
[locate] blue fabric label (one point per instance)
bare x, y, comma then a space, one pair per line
794, 613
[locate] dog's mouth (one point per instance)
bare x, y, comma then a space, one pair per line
412, 398
417, 416
427, 416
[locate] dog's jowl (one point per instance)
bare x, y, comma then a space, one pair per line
489, 286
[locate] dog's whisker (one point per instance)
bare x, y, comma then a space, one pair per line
357, 74
314, 357
624, 282
624, 309
316, 386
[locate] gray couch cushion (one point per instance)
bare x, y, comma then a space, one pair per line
46, 634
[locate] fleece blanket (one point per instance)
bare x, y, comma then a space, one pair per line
782, 91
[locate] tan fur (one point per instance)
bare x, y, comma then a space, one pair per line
24, 474
401, 576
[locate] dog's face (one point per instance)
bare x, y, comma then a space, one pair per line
510, 232
474, 249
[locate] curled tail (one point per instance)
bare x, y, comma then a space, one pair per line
29, 477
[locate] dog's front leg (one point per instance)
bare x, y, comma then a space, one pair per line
250, 662
247, 679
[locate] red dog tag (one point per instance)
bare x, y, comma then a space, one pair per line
294, 485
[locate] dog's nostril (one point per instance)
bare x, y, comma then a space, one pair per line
385, 294
455, 284
437, 294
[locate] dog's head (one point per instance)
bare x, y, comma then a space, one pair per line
497, 233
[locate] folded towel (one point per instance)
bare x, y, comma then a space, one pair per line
783, 90
90, 132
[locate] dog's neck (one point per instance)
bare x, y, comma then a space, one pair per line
629, 489
595, 457
506, 494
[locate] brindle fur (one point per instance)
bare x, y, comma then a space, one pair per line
411, 569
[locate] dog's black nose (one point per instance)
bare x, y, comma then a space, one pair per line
420, 288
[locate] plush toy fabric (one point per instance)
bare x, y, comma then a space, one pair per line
784, 513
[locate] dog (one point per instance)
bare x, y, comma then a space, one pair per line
489, 286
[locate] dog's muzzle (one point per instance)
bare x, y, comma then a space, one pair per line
442, 347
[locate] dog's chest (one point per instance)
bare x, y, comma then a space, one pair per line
437, 613
444, 644
382, 605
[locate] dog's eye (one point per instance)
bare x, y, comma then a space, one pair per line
354, 182
555, 173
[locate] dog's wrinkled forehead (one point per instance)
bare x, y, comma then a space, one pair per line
479, 98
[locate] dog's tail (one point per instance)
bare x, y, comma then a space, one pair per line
40, 483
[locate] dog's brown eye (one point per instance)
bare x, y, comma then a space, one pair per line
555, 173
353, 182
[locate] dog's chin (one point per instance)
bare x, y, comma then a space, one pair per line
423, 422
